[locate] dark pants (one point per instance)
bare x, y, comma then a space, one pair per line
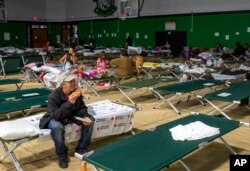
57, 134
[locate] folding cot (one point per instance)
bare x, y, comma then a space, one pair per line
233, 95
194, 72
10, 64
14, 64
91, 83
22, 104
154, 149
110, 119
15, 81
33, 58
134, 85
181, 88
28, 59
26, 93
149, 67
47, 73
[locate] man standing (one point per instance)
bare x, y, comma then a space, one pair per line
63, 105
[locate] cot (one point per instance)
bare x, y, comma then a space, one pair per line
179, 89
10, 64
91, 83
110, 119
15, 81
26, 93
32, 58
157, 68
14, 105
134, 85
149, 67
193, 72
152, 150
47, 73
233, 95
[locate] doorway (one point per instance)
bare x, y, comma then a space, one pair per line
176, 39
70, 34
38, 35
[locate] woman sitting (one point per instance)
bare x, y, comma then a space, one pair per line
69, 61
70, 66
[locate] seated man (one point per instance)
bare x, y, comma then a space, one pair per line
167, 46
239, 50
63, 104
123, 65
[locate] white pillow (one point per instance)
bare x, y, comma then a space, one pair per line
16, 129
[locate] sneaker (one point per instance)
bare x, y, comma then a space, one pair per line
63, 162
81, 155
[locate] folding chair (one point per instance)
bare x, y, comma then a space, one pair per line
15, 81
233, 95
179, 89
155, 149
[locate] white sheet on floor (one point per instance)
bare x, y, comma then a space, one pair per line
193, 131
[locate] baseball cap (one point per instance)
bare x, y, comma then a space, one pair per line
65, 77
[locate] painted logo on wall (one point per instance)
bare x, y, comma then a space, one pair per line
105, 8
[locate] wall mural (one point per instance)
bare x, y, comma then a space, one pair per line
105, 8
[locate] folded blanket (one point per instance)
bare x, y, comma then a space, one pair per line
193, 131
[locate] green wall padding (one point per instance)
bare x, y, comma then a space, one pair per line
18, 34
112, 33
202, 34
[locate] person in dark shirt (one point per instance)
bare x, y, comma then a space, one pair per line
129, 41
64, 103
239, 50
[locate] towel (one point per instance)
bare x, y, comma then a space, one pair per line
193, 131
